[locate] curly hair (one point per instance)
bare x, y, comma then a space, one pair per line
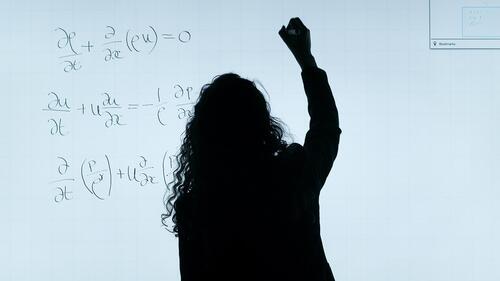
231, 124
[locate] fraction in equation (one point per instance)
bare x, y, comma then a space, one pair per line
112, 44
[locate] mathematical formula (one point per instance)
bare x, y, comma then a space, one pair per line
113, 44
100, 175
111, 110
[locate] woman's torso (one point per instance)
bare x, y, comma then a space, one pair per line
266, 227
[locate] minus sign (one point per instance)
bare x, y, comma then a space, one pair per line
148, 104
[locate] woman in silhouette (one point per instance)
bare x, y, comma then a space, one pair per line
247, 203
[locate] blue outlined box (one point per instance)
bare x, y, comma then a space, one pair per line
464, 24
481, 22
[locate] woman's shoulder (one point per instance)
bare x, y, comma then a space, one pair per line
294, 149
292, 156
289, 165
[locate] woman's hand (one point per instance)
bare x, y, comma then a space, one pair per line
298, 39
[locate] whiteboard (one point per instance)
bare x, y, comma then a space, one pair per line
90, 128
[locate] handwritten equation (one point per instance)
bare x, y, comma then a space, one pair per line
480, 22
111, 110
98, 176
114, 46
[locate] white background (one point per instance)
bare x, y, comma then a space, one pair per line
413, 194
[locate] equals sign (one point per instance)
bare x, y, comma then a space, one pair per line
167, 36
133, 105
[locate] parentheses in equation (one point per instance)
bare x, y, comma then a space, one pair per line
83, 178
163, 169
126, 40
156, 39
110, 176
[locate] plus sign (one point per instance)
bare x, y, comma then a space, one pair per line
120, 173
88, 46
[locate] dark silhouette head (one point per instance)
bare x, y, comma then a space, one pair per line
230, 133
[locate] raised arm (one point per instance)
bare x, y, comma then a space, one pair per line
322, 139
